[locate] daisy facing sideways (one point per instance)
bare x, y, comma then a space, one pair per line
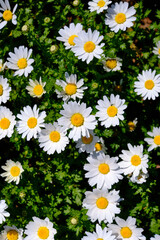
2, 65
11, 233
112, 64
141, 178
4, 90
156, 50
3, 213
36, 88
154, 139
98, 5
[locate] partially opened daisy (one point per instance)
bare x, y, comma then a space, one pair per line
7, 122
110, 112
68, 34
39, 229
77, 117
148, 84
2, 65
102, 205
126, 229
156, 237
98, 5
20, 61
31, 122
13, 171
4, 90
154, 139
133, 161
11, 233
53, 138
141, 178
132, 125
120, 16
36, 88
6, 14
71, 88
3, 212
156, 50
87, 45
112, 64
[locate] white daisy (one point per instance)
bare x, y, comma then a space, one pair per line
11, 233
156, 237
77, 117
98, 5
100, 146
133, 160
3, 213
112, 64
20, 61
100, 234
87, 45
68, 34
120, 17
2, 65
148, 85
156, 50
141, 178
53, 138
35, 88
7, 122
154, 139
110, 111
71, 88
13, 171
4, 90
126, 229
39, 229
6, 13
102, 205
31, 122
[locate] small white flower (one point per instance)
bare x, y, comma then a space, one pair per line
154, 140
98, 5
35, 88
2, 65
11, 233
156, 237
3, 213
4, 90
100, 146
112, 64
7, 14
156, 50
141, 178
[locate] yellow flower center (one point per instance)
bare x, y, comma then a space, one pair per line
131, 126
101, 3
99, 238
71, 88
71, 39
89, 46
159, 51
77, 119
112, 111
15, 171
22, 63
111, 63
12, 235
1, 90
120, 18
86, 140
7, 15
126, 232
98, 147
102, 203
149, 84
38, 90
54, 136
32, 122
43, 233
4, 123
135, 160
104, 168
157, 140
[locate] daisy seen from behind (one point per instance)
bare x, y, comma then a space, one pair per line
156, 50
112, 64
36, 88
154, 139
3, 212
4, 90
20, 61
11, 233
148, 84
120, 16
98, 5
30, 122
156, 237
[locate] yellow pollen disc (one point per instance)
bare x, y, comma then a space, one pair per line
104, 168
77, 119
7, 15
89, 46
102, 203
112, 111
101, 3
87, 140
1, 90
135, 160
38, 90
54, 136
149, 84
120, 18
22, 63
4, 123
43, 233
157, 140
111, 63
71, 88
15, 171
32, 122
159, 51
99, 238
126, 232
131, 126
98, 147
12, 235
71, 39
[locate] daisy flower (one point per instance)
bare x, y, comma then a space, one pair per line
100, 146
39, 229
98, 5
13, 171
11, 233
4, 90
3, 213
133, 160
87, 45
6, 13
154, 139
53, 138
20, 61
148, 85
77, 117
100, 234
120, 17
112, 64
156, 237
68, 34
156, 50
110, 111
102, 205
7, 122
2, 65
31, 122
141, 178
132, 125
71, 88
35, 88
126, 229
